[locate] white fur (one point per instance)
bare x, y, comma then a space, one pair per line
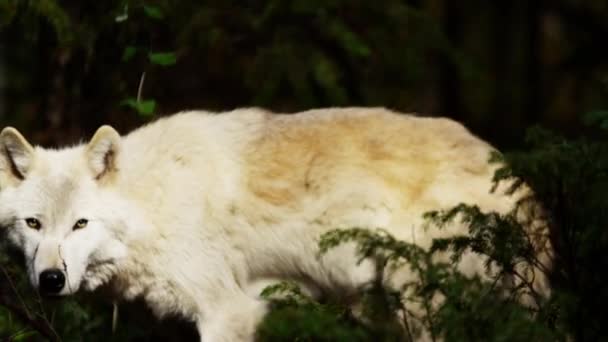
194, 211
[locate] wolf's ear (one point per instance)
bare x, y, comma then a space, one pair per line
15, 153
102, 151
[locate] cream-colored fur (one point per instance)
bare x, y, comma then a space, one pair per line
194, 211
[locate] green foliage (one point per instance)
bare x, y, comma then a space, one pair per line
128, 53
599, 118
378, 245
295, 316
570, 178
472, 309
475, 310
286, 55
153, 12
162, 58
501, 237
143, 107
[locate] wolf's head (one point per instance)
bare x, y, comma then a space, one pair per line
58, 208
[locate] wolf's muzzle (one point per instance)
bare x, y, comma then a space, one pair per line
51, 281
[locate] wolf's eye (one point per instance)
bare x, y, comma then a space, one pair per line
33, 223
80, 224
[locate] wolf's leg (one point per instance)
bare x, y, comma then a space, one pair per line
235, 319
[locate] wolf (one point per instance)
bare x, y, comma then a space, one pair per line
191, 211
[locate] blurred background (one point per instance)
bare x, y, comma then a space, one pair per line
69, 66
66, 67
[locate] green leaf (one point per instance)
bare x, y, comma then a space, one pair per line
24, 336
162, 58
597, 117
153, 12
128, 53
144, 107
349, 40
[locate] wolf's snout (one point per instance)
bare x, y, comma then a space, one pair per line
51, 281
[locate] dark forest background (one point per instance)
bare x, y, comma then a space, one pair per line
499, 67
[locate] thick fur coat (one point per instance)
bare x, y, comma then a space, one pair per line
192, 211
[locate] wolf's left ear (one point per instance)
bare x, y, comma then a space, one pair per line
15, 153
102, 151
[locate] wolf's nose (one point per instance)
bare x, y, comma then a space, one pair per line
51, 281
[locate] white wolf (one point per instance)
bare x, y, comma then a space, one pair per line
189, 212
